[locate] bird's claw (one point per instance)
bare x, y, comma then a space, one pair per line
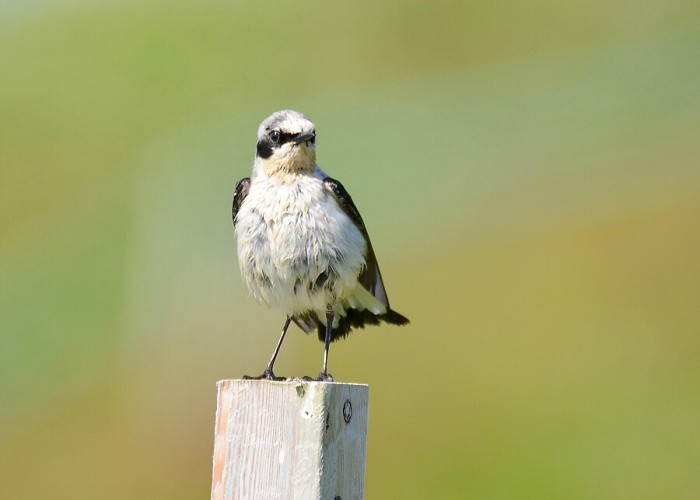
266, 375
324, 377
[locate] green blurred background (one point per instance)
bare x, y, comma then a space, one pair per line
529, 173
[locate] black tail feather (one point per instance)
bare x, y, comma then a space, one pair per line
358, 319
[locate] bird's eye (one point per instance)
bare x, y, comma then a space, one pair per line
275, 136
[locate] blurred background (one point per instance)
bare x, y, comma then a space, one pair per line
529, 173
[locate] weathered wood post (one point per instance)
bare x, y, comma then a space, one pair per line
289, 440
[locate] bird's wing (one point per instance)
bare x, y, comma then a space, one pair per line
239, 195
370, 278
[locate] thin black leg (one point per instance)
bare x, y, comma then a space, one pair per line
268, 373
324, 375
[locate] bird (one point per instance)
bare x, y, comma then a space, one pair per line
301, 242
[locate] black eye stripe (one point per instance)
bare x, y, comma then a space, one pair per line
285, 137
266, 145
264, 149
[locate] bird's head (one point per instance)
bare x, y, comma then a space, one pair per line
287, 143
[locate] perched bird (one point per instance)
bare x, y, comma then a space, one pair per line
302, 245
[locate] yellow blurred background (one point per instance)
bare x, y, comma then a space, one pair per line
529, 173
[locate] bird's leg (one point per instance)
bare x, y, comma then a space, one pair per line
324, 376
268, 374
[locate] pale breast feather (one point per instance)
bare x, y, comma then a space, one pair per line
298, 248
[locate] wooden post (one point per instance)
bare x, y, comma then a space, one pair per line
289, 440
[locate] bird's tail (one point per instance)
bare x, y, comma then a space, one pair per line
353, 318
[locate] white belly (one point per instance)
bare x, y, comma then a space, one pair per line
297, 249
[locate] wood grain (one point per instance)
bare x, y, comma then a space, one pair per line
289, 440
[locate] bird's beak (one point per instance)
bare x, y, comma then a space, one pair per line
304, 137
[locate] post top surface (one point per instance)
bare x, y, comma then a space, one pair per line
288, 382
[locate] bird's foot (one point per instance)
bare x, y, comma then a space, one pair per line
266, 375
324, 377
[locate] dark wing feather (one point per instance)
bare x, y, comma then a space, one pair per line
242, 188
371, 277
308, 322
